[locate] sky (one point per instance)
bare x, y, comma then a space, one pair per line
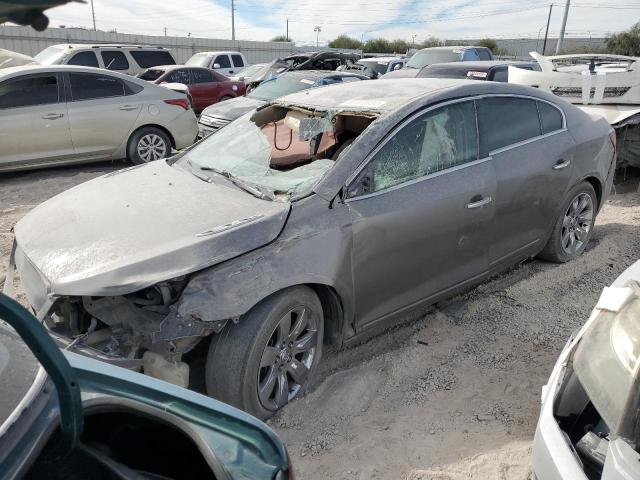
405, 19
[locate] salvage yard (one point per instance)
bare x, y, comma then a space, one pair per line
451, 394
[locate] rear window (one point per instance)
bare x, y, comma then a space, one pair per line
237, 61
87, 86
152, 58
505, 121
484, 54
114, 60
180, 75
151, 74
87, 59
223, 61
427, 57
436, 71
550, 117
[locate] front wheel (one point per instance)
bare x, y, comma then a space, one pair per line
574, 227
269, 357
148, 144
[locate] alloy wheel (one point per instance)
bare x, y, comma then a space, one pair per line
287, 358
151, 147
577, 223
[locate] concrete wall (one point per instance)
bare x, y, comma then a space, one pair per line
26, 40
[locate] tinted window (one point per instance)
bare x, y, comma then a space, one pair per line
202, 76
550, 118
505, 121
152, 58
24, 92
180, 75
484, 54
470, 55
114, 60
435, 141
237, 60
151, 75
500, 75
87, 59
86, 86
223, 61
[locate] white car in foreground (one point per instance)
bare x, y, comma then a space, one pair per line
589, 426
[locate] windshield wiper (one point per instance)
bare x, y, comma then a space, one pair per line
255, 190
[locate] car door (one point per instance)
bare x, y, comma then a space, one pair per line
420, 209
532, 153
102, 113
34, 122
238, 63
223, 64
205, 89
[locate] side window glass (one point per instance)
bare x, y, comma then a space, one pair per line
483, 54
180, 75
26, 92
504, 121
435, 141
500, 75
114, 60
152, 58
550, 117
87, 59
237, 61
223, 61
86, 86
470, 55
202, 76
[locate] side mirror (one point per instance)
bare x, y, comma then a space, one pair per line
398, 66
216, 66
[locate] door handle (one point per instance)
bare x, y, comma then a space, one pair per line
561, 164
52, 116
128, 108
479, 203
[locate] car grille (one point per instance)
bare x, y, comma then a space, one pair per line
576, 92
213, 123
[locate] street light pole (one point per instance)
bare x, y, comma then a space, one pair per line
233, 21
317, 29
93, 15
413, 40
546, 33
564, 25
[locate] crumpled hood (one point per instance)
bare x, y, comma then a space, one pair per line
232, 108
402, 73
130, 229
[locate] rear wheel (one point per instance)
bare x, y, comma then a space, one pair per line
148, 144
574, 227
269, 357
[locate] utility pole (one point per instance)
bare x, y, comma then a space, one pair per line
93, 15
413, 40
287, 29
233, 21
546, 34
165, 31
564, 25
317, 29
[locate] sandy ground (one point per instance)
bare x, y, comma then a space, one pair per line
452, 393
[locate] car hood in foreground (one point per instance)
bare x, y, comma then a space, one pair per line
135, 227
233, 108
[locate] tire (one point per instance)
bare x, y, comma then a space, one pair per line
574, 227
248, 355
136, 152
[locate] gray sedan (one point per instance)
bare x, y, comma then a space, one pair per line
59, 115
315, 219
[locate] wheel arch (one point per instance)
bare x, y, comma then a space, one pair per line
153, 125
597, 186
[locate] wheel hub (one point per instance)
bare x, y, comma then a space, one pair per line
285, 356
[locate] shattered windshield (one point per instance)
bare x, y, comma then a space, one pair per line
424, 58
373, 66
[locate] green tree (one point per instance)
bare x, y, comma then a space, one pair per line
399, 46
429, 42
344, 41
377, 45
489, 43
625, 43
281, 38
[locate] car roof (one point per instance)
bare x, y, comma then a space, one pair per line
25, 69
220, 52
318, 74
76, 46
449, 48
387, 95
482, 65
379, 59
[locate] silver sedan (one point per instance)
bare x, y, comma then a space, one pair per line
65, 114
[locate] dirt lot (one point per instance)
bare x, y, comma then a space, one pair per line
450, 394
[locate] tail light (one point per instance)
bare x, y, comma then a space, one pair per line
612, 136
180, 102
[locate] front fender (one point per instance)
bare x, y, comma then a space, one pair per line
314, 248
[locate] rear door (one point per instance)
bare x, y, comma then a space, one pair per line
205, 89
34, 124
115, 60
532, 153
421, 211
238, 62
102, 112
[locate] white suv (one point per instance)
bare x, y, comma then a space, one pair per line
226, 63
130, 59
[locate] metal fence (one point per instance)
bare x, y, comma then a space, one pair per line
28, 41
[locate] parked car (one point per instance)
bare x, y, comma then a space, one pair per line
589, 421
130, 59
59, 115
14, 59
320, 217
64, 416
374, 67
205, 86
226, 63
429, 56
323, 60
246, 73
493, 71
217, 116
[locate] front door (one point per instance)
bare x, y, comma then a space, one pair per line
101, 113
420, 209
34, 125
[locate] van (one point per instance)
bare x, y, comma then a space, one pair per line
130, 59
226, 63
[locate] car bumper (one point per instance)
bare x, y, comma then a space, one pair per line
184, 129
